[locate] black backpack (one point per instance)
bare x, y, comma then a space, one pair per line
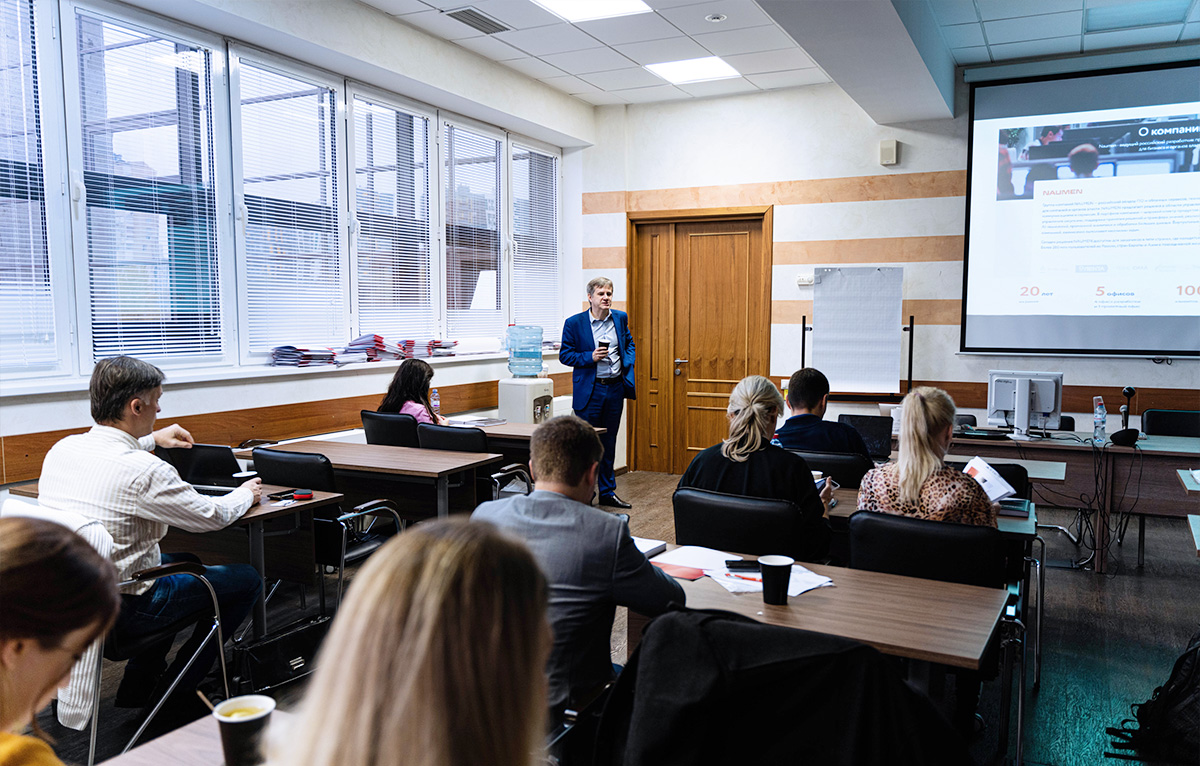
1166, 727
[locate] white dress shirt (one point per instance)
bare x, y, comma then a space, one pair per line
110, 476
606, 329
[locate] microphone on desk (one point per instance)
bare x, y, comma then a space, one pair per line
1124, 416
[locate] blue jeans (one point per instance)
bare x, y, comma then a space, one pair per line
179, 597
603, 410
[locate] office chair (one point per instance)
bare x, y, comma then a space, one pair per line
847, 469
1171, 422
1066, 423
335, 543
392, 428
949, 552
473, 440
753, 525
965, 420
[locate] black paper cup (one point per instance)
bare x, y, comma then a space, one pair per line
242, 721
776, 574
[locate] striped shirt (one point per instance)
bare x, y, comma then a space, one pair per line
108, 475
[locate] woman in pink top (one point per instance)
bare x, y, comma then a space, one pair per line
408, 393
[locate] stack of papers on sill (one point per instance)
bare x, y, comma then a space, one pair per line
713, 564
993, 483
296, 356
374, 346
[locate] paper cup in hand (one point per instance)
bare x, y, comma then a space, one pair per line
243, 720
776, 574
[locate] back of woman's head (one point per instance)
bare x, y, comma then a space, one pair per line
754, 406
926, 413
409, 384
436, 658
52, 583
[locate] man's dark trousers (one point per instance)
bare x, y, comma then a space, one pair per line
603, 410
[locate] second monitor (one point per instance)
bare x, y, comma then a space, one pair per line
1024, 400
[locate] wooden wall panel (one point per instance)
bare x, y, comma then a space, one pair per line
973, 395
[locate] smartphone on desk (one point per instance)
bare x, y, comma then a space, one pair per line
284, 495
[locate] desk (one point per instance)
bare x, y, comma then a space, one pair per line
375, 461
253, 520
1012, 527
512, 439
197, 744
1040, 471
1190, 485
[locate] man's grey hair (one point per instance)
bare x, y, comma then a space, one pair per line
598, 282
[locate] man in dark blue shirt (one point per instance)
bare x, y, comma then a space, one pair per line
808, 397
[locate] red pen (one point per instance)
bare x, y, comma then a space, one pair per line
743, 577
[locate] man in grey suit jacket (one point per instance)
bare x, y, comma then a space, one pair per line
587, 555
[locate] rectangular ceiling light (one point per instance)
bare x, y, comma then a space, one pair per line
590, 10
694, 70
1142, 13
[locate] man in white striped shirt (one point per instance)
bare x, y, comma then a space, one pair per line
111, 474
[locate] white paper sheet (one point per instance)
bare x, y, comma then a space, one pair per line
750, 582
697, 557
857, 337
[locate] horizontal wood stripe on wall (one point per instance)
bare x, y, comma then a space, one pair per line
883, 250
23, 453
923, 311
973, 394
945, 183
604, 258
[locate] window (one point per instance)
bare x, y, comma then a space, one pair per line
535, 238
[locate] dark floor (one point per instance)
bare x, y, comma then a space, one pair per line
1108, 639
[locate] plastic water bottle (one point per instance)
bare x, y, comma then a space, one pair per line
524, 350
435, 401
1099, 420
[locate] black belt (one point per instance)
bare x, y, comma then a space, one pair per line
608, 381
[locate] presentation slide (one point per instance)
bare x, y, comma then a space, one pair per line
1084, 215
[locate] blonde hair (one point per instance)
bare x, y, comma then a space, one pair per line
436, 658
926, 412
753, 408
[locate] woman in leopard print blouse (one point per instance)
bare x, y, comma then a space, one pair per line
919, 484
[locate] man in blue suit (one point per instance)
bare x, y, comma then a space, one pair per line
598, 345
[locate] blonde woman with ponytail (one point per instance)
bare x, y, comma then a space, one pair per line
919, 484
748, 464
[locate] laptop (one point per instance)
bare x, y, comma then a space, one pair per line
876, 433
204, 466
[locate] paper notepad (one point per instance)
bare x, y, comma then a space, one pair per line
649, 547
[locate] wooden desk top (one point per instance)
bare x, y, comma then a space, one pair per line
940, 622
379, 458
1165, 445
1009, 526
1040, 471
196, 744
518, 431
1190, 485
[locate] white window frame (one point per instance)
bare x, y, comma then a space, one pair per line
554, 151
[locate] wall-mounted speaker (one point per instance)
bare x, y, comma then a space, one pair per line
889, 151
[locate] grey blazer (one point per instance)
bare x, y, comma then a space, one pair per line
592, 566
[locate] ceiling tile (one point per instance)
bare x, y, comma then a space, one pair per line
622, 79
963, 35
719, 87
1011, 9
774, 80
770, 61
658, 4
572, 85
953, 11
739, 14
600, 98
556, 38
591, 60
1098, 41
518, 14
490, 47
535, 68
1191, 31
1034, 27
749, 40
977, 55
635, 28
649, 95
398, 7
1051, 47
447, 5
440, 25
658, 51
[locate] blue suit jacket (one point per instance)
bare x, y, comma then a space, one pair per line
576, 351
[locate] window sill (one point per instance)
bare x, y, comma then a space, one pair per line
17, 388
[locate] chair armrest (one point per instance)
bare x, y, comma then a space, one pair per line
166, 570
248, 443
377, 506
513, 471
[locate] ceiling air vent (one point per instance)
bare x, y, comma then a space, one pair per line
477, 19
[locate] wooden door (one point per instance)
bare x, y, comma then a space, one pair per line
701, 293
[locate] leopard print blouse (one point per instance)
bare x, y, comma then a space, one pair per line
947, 495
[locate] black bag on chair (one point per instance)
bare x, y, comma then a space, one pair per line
278, 658
1165, 727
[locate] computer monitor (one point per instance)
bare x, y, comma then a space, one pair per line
1024, 400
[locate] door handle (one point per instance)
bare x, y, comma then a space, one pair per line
681, 361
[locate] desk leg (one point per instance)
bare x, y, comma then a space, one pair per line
258, 561
443, 496
1102, 531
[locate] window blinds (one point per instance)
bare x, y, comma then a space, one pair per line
295, 291
27, 336
391, 204
145, 114
471, 183
535, 233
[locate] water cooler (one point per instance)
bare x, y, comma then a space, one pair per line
525, 398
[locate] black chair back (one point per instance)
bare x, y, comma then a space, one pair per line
847, 469
1015, 474
933, 550
1066, 423
965, 420
394, 429
743, 524
1171, 422
876, 433
451, 438
304, 470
